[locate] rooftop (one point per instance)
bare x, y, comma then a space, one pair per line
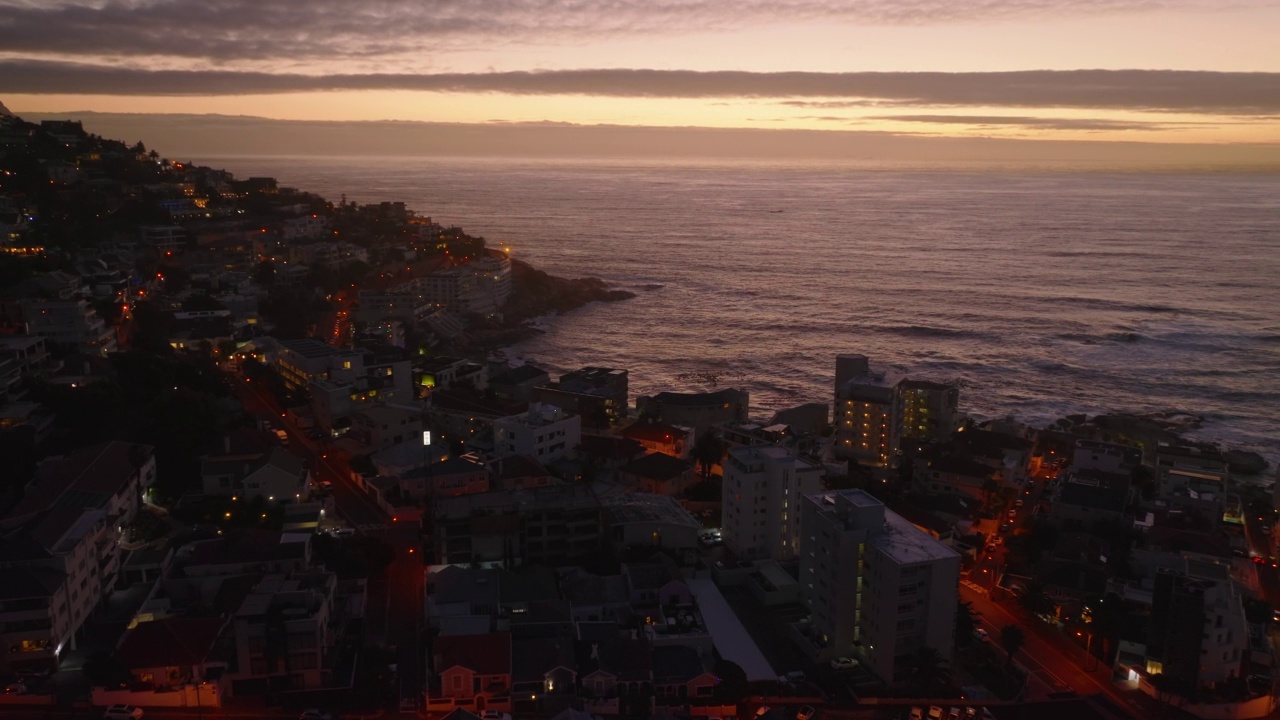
310, 348
657, 466
627, 508
718, 397
906, 544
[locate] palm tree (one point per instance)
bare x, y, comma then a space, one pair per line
1012, 639
708, 448
964, 624
929, 670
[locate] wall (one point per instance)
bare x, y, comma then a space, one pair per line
186, 696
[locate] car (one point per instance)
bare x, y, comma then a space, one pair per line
917, 713
283, 437
15, 688
991, 547
30, 675
1013, 513
792, 678
342, 532
999, 540
844, 663
122, 712
494, 715
314, 714
762, 710
935, 712
315, 434
982, 635
806, 713
954, 713
971, 713
1017, 503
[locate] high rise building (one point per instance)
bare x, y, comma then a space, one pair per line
1197, 633
923, 412
863, 412
762, 490
877, 587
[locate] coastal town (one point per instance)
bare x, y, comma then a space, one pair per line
262, 456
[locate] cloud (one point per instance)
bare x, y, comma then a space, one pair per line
1219, 93
236, 30
1045, 123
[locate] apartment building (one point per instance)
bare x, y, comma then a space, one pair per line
1198, 633
283, 633
545, 433
877, 587
553, 525
863, 413
763, 486
57, 566
597, 394
695, 410
923, 412
71, 324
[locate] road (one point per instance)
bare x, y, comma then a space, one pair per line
1055, 663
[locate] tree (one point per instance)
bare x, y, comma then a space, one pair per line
265, 273
1034, 599
964, 624
1012, 639
708, 449
929, 671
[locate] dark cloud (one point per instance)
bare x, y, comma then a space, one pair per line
234, 30
1046, 123
1221, 93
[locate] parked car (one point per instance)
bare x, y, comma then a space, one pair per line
342, 532
15, 688
24, 676
935, 712
1017, 503
283, 437
954, 713
792, 678
122, 712
844, 663
314, 714
917, 713
982, 635
494, 715
806, 713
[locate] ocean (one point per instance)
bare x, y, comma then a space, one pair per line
1042, 291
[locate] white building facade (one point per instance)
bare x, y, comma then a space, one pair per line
545, 433
761, 500
877, 587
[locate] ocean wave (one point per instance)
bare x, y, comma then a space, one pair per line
650, 287
929, 331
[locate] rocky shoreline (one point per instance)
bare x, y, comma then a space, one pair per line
535, 294
1150, 430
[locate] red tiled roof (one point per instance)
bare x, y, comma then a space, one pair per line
482, 654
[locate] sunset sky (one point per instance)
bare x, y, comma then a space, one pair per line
1184, 71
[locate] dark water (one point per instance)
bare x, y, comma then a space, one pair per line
1043, 292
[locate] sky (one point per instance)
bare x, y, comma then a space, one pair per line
1185, 72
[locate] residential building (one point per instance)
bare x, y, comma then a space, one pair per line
72, 324
877, 587
553, 525
169, 653
761, 500
1086, 497
29, 352
863, 413
545, 433
1198, 633
381, 426
110, 476
58, 564
597, 394
657, 473
658, 437
284, 634
637, 519
275, 475
516, 384
475, 670
695, 410
1197, 469
923, 412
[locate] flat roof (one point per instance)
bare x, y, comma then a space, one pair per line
906, 544
731, 638
626, 508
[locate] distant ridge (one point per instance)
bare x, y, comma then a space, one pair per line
4, 111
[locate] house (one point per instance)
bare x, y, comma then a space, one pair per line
475, 670
657, 473
545, 433
595, 598
680, 672
516, 472
458, 598
173, 651
517, 384
544, 673
285, 632
275, 475
656, 437
597, 394
617, 675
654, 584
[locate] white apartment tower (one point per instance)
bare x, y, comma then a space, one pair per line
877, 588
762, 490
